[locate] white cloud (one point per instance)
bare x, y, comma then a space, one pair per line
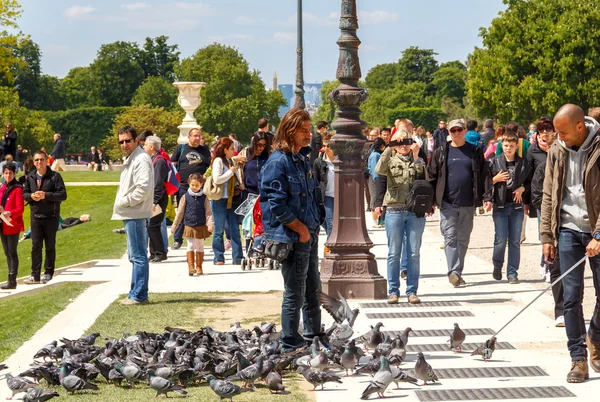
230, 37
285, 37
370, 17
312, 19
194, 7
78, 11
135, 6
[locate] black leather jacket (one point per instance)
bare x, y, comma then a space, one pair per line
522, 178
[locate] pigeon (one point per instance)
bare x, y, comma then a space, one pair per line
242, 361
348, 360
489, 344
275, 382
115, 377
18, 384
401, 376
342, 332
73, 383
249, 374
44, 352
404, 335
398, 352
339, 309
130, 371
316, 377
370, 368
372, 338
224, 389
162, 386
381, 381
423, 370
457, 337
319, 362
39, 394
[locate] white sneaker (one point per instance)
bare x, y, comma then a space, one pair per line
543, 271
560, 321
548, 280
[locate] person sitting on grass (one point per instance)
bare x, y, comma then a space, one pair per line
195, 213
62, 224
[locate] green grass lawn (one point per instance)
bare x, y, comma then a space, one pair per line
23, 316
178, 310
88, 241
91, 176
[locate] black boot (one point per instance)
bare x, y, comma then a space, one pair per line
11, 284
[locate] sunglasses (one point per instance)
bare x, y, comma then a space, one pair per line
125, 141
261, 145
39, 160
457, 130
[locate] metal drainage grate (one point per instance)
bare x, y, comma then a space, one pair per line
421, 314
482, 394
404, 304
443, 347
443, 332
490, 372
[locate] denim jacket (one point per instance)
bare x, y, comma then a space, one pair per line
288, 191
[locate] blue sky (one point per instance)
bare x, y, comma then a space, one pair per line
70, 32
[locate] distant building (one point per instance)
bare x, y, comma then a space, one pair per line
312, 97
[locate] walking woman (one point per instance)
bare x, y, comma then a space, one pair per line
225, 172
256, 156
11, 196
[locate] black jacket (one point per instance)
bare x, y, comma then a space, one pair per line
497, 192
53, 186
161, 174
437, 174
58, 152
488, 134
321, 171
440, 137
316, 143
537, 186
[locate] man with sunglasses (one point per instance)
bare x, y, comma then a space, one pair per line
43, 190
458, 175
440, 135
133, 205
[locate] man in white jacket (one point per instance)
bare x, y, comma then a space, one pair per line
133, 205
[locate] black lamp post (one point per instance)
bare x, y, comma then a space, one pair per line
299, 91
350, 268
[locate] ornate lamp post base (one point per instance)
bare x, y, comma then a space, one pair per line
350, 268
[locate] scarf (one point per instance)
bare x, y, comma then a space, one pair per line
7, 190
198, 194
544, 146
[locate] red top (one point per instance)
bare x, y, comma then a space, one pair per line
15, 205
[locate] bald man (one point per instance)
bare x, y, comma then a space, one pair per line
570, 220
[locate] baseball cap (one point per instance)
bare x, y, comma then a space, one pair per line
456, 123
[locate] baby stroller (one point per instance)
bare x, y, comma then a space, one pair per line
253, 232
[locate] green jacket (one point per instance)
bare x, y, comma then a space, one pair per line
401, 173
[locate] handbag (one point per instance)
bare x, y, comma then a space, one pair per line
277, 251
212, 190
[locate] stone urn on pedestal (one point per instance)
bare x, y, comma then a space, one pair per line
189, 100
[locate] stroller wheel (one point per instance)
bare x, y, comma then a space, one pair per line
249, 264
271, 264
277, 265
261, 262
244, 263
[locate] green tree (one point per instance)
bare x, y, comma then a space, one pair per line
157, 92
116, 73
536, 56
50, 94
234, 98
158, 59
76, 87
27, 74
10, 10
417, 65
326, 110
382, 76
379, 105
449, 81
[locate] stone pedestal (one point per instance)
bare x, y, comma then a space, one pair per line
189, 100
350, 268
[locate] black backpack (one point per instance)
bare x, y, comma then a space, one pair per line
420, 197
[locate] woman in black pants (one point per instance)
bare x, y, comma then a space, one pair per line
11, 209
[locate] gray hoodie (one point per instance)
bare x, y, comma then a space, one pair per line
573, 213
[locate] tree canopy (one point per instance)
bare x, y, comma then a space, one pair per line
10, 10
536, 56
157, 92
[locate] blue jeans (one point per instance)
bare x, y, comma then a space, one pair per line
571, 247
302, 284
508, 224
165, 236
136, 232
399, 225
404, 263
456, 224
328, 225
221, 214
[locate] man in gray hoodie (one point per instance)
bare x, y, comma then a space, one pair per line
133, 205
570, 219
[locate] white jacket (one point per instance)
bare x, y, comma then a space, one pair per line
135, 195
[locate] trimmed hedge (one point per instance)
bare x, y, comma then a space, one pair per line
427, 117
83, 127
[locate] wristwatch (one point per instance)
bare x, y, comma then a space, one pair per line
596, 236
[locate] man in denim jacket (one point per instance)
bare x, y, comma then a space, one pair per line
292, 207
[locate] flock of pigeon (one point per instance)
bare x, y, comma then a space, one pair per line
177, 359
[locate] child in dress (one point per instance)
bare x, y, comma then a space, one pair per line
194, 211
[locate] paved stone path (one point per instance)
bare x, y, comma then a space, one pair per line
487, 304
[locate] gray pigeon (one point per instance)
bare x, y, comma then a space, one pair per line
224, 389
371, 367
487, 354
372, 338
162, 386
130, 371
348, 360
490, 344
342, 332
73, 383
316, 377
319, 362
398, 352
401, 376
381, 381
39, 394
249, 374
44, 352
457, 337
18, 384
275, 382
339, 309
404, 335
423, 370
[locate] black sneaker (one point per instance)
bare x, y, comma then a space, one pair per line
497, 274
176, 245
47, 278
